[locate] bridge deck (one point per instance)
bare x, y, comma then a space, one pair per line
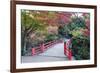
55, 53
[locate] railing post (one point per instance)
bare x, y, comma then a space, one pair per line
70, 54
65, 48
42, 47
33, 51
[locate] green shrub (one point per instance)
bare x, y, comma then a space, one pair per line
81, 47
51, 37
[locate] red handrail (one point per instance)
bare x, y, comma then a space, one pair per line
45, 46
67, 50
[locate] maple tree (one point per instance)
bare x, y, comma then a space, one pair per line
28, 27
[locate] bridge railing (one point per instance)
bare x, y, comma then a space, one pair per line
67, 50
44, 46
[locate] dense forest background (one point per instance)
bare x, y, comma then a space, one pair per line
43, 26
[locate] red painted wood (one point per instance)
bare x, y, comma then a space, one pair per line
70, 55
33, 51
45, 46
65, 48
68, 51
42, 47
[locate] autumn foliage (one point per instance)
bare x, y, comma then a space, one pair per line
43, 26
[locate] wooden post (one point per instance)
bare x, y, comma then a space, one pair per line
65, 48
42, 47
70, 54
33, 51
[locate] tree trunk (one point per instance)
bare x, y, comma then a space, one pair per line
23, 43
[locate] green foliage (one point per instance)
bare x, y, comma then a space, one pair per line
80, 43
29, 25
81, 47
72, 28
78, 22
63, 31
51, 37
76, 33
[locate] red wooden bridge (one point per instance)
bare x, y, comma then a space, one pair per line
43, 47
57, 50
